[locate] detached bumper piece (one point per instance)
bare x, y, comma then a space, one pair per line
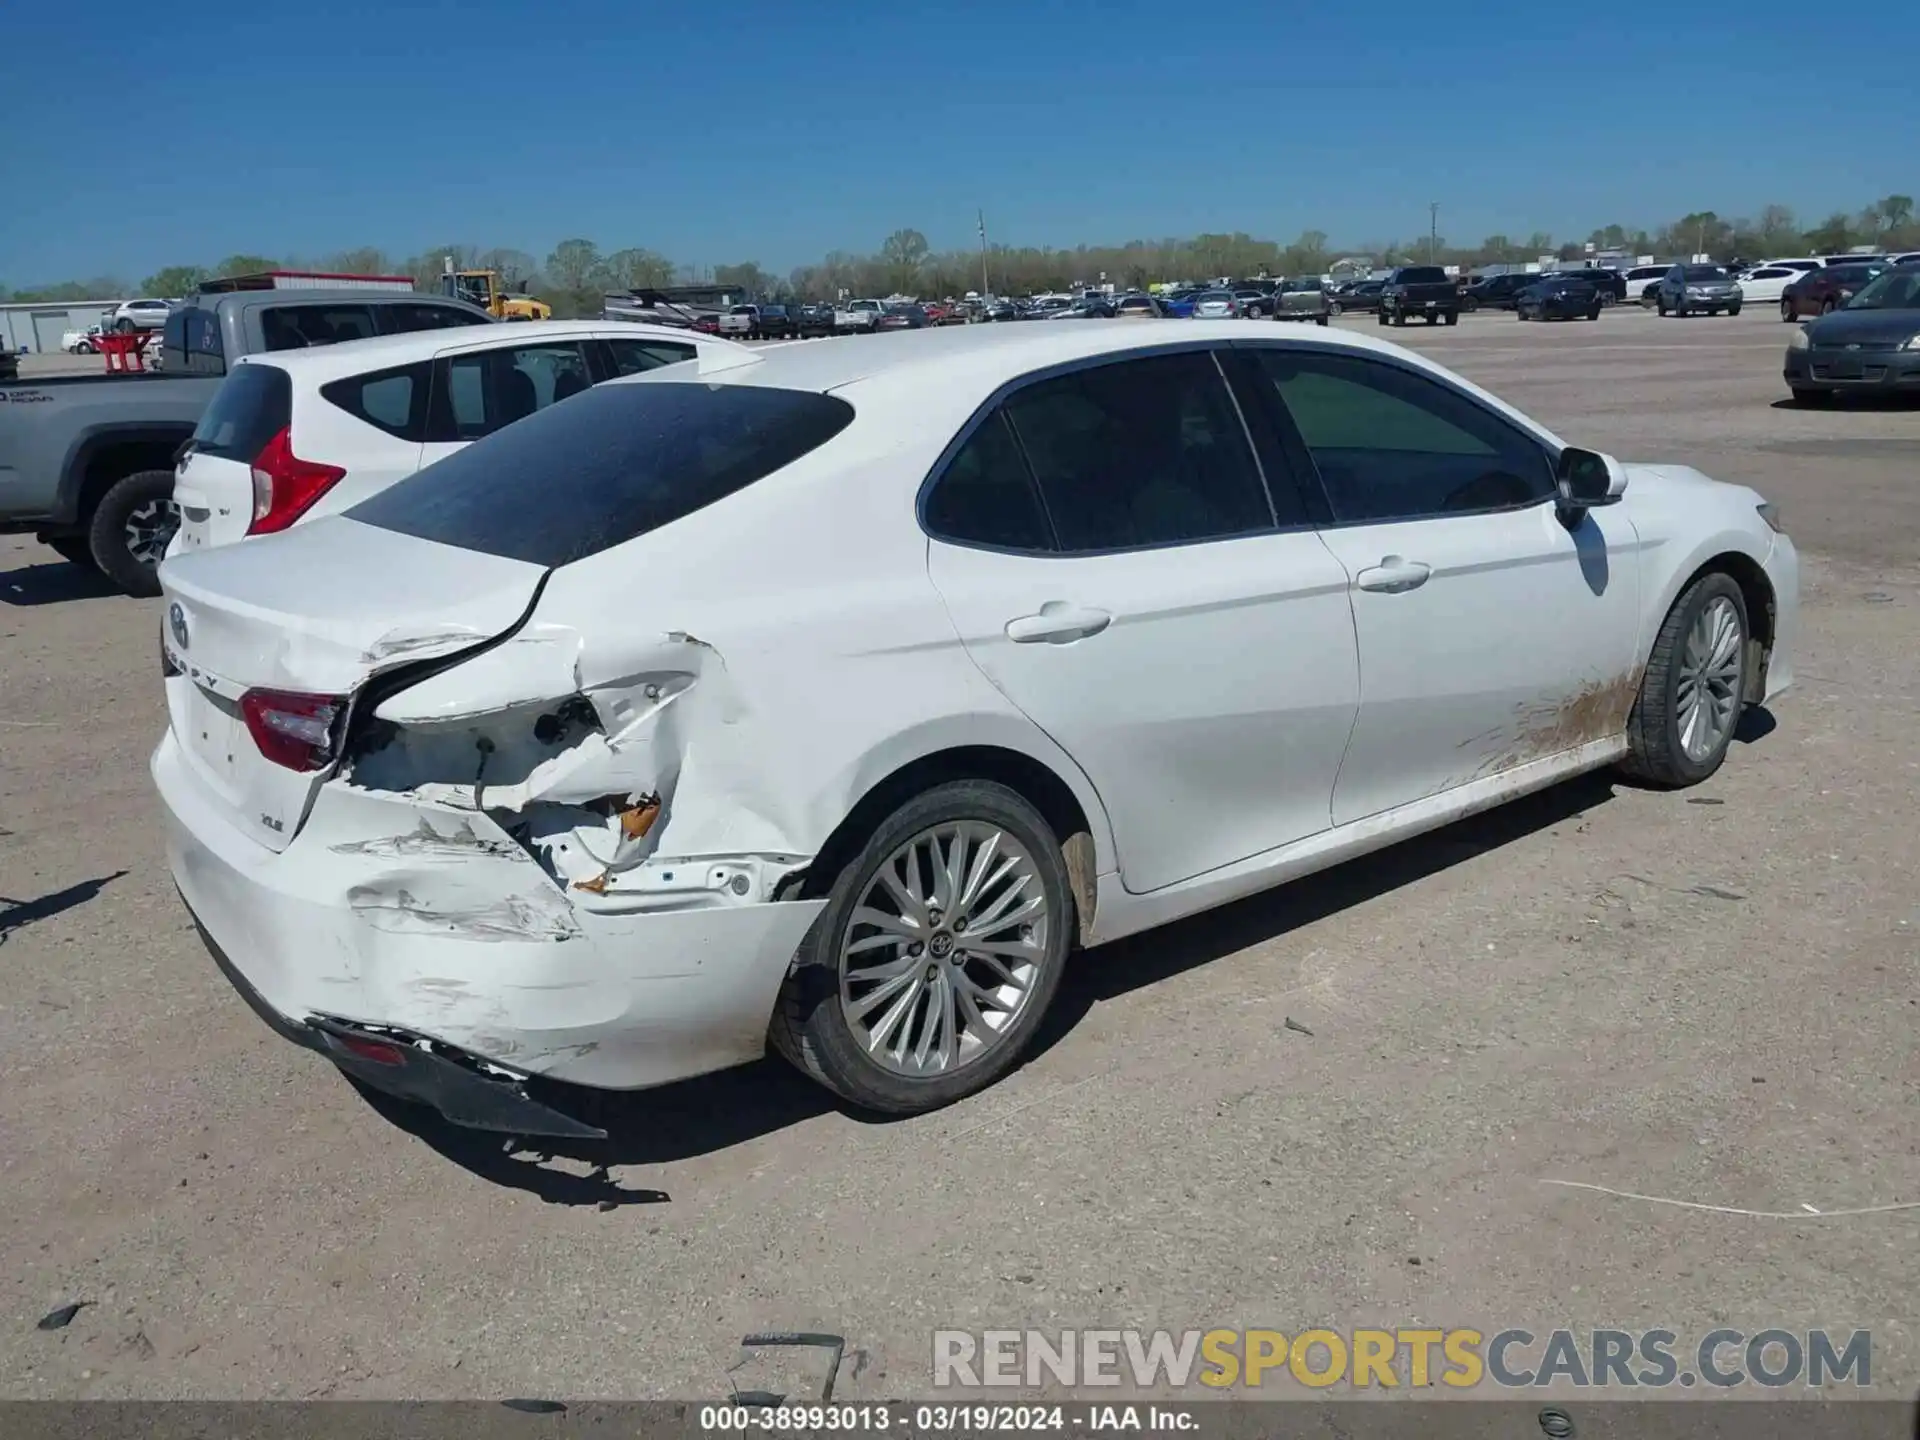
467, 1091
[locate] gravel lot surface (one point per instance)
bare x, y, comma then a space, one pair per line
1709, 997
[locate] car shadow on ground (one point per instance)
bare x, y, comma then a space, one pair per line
1854, 400
716, 1112
52, 582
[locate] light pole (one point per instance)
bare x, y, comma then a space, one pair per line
985, 288
1433, 229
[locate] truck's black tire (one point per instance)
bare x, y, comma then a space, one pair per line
130, 529
810, 1027
1654, 752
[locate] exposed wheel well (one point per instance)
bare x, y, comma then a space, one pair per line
1762, 614
1022, 774
114, 460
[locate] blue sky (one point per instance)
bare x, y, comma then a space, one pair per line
270, 127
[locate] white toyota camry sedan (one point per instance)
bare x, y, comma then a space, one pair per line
829, 696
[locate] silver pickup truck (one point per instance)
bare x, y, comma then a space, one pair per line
87, 461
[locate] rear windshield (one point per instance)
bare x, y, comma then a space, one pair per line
1706, 272
611, 464
252, 405
191, 341
1423, 275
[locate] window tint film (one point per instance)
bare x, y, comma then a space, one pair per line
295, 327
985, 496
405, 319
391, 400
1391, 445
630, 357
1143, 452
620, 461
491, 389
252, 405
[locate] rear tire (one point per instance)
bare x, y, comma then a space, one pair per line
1786, 310
1319, 319
130, 529
1657, 752
811, 1026
1453, 317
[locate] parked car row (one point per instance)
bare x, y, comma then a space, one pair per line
790, 697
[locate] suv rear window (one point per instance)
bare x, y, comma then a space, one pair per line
610, 465
252, 405
1423, 275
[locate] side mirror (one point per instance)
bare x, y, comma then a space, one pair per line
1587, 480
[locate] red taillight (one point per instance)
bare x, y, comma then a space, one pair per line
292, 730
285, 486
378, 1051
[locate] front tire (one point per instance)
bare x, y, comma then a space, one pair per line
1811, 396
1693, 689
1786, 310
940, 948
131, 528
1732, 310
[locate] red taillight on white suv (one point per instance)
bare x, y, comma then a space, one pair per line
285, 486
298, 732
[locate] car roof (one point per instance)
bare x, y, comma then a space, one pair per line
988, 355
380, 352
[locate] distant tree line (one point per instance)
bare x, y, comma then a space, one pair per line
577, 272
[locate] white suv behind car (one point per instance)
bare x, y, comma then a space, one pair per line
292, 435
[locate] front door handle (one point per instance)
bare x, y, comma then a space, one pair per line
1058, 623
1393, 575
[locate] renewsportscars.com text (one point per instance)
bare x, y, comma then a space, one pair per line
1414, 1358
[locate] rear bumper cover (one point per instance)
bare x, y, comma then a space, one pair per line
391, 912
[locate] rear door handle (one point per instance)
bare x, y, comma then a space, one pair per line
1393, 575
1058, 623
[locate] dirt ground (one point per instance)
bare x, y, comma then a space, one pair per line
1708, 997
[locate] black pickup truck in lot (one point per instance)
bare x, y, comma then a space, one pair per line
87, 461
1422, 291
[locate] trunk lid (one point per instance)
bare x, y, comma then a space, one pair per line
215, 496
316, 611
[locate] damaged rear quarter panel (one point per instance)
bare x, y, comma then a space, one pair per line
813, 656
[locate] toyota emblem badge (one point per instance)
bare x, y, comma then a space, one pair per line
177, 623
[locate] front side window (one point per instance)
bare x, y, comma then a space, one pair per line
295, 327
986, 495
631, 357
1141, 453
491, 389
1392, 445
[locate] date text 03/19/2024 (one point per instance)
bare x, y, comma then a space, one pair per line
935, 1419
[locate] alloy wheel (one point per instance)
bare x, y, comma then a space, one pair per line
149, 530
1706, 699
942, 952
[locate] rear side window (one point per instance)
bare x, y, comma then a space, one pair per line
391, 400
254, 404
631, 357
404, 319
1141, 453
618, 462
986, 495
295, 327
